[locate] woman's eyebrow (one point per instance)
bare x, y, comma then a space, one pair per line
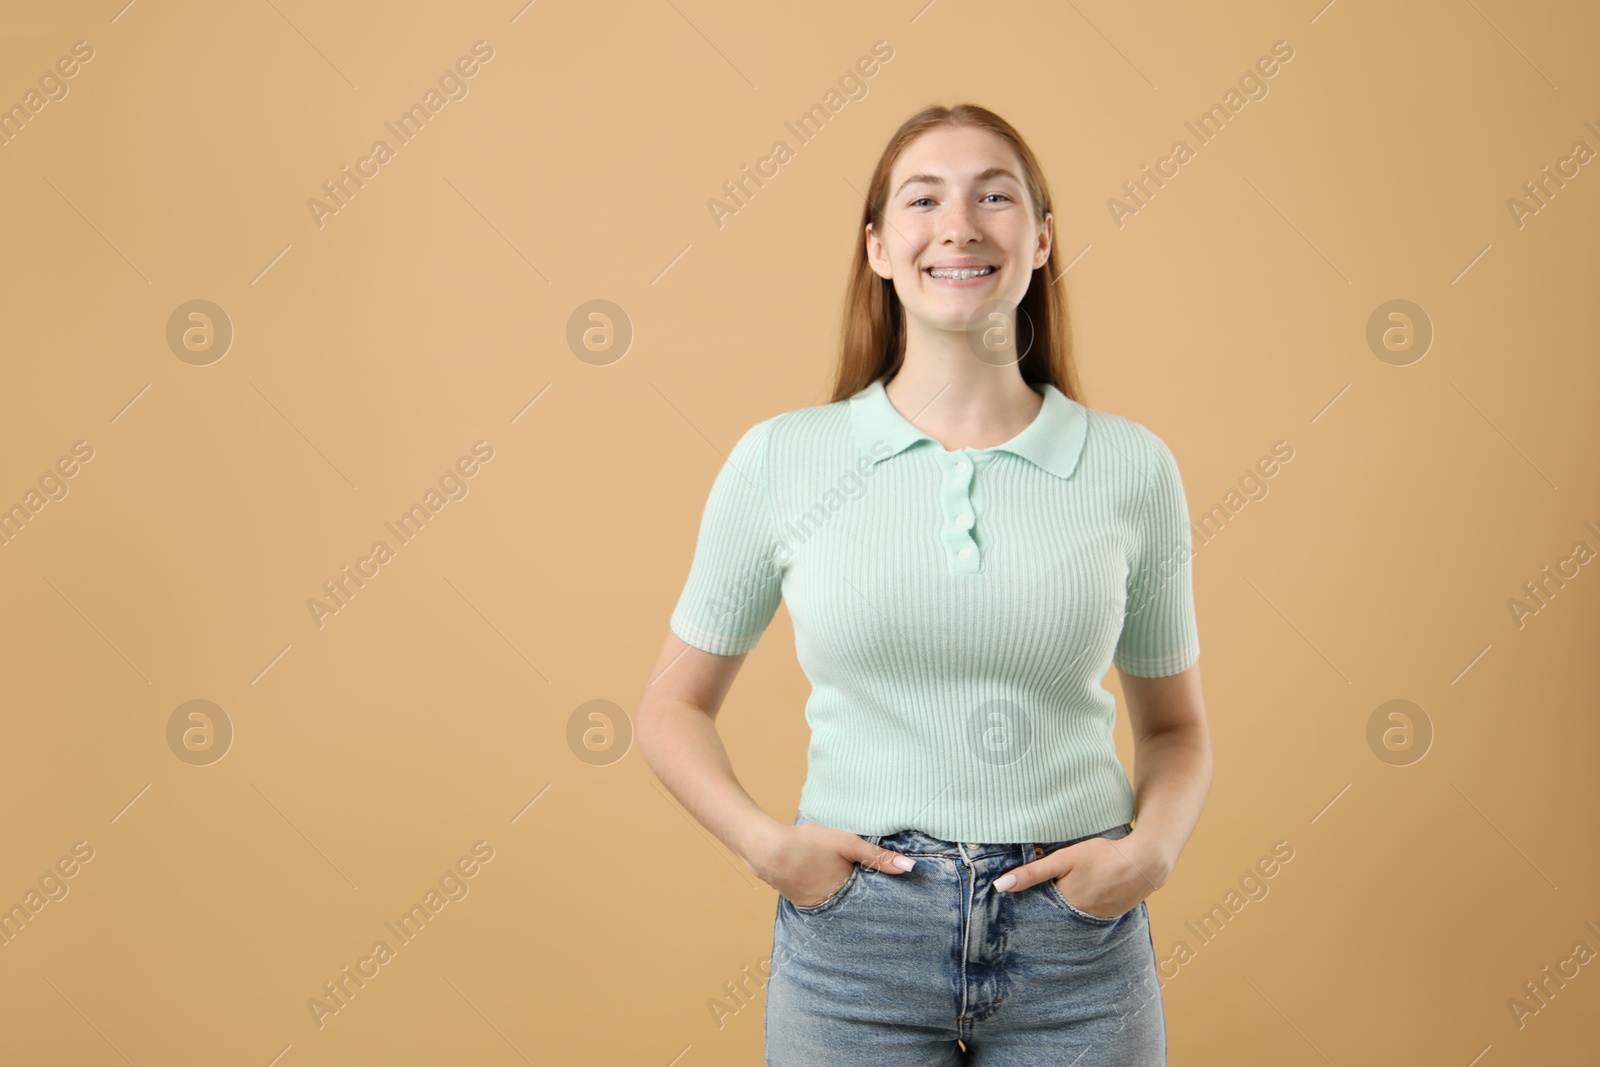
934, 179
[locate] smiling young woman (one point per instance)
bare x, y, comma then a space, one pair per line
964, 872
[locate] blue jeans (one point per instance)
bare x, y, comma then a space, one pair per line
893, 969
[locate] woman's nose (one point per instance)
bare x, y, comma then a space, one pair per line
958, 224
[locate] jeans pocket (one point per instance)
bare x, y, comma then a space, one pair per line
1056, 897
843, 891
833, 901
1054, 891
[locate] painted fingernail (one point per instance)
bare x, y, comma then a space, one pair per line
1005, 881
905, 863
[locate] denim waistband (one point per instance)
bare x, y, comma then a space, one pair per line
917, 843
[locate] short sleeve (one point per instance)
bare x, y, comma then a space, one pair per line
736, 578
1159, 633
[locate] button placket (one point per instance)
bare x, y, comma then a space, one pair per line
956, 506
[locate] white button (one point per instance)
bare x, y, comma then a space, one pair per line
964, 553
961, 468
965, 520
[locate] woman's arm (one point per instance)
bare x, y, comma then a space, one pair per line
679, 741
1171, 766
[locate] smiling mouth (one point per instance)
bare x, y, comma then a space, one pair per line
960, 273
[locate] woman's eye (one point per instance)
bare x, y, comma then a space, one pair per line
921, 199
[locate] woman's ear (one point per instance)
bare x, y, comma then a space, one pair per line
878, 256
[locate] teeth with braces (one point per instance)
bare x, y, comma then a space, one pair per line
960, 272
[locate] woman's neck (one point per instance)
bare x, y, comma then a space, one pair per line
969, 405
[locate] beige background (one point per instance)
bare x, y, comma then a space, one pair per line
433, 711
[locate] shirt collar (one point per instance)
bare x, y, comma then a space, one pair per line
1053, 441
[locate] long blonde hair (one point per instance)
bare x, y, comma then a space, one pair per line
873, 336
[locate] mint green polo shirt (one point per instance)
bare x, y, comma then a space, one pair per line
954, 611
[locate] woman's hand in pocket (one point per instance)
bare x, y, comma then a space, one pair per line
809, 863
1099, 876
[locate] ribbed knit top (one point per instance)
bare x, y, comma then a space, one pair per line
954, 611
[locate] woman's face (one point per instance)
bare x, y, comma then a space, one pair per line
956, 199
